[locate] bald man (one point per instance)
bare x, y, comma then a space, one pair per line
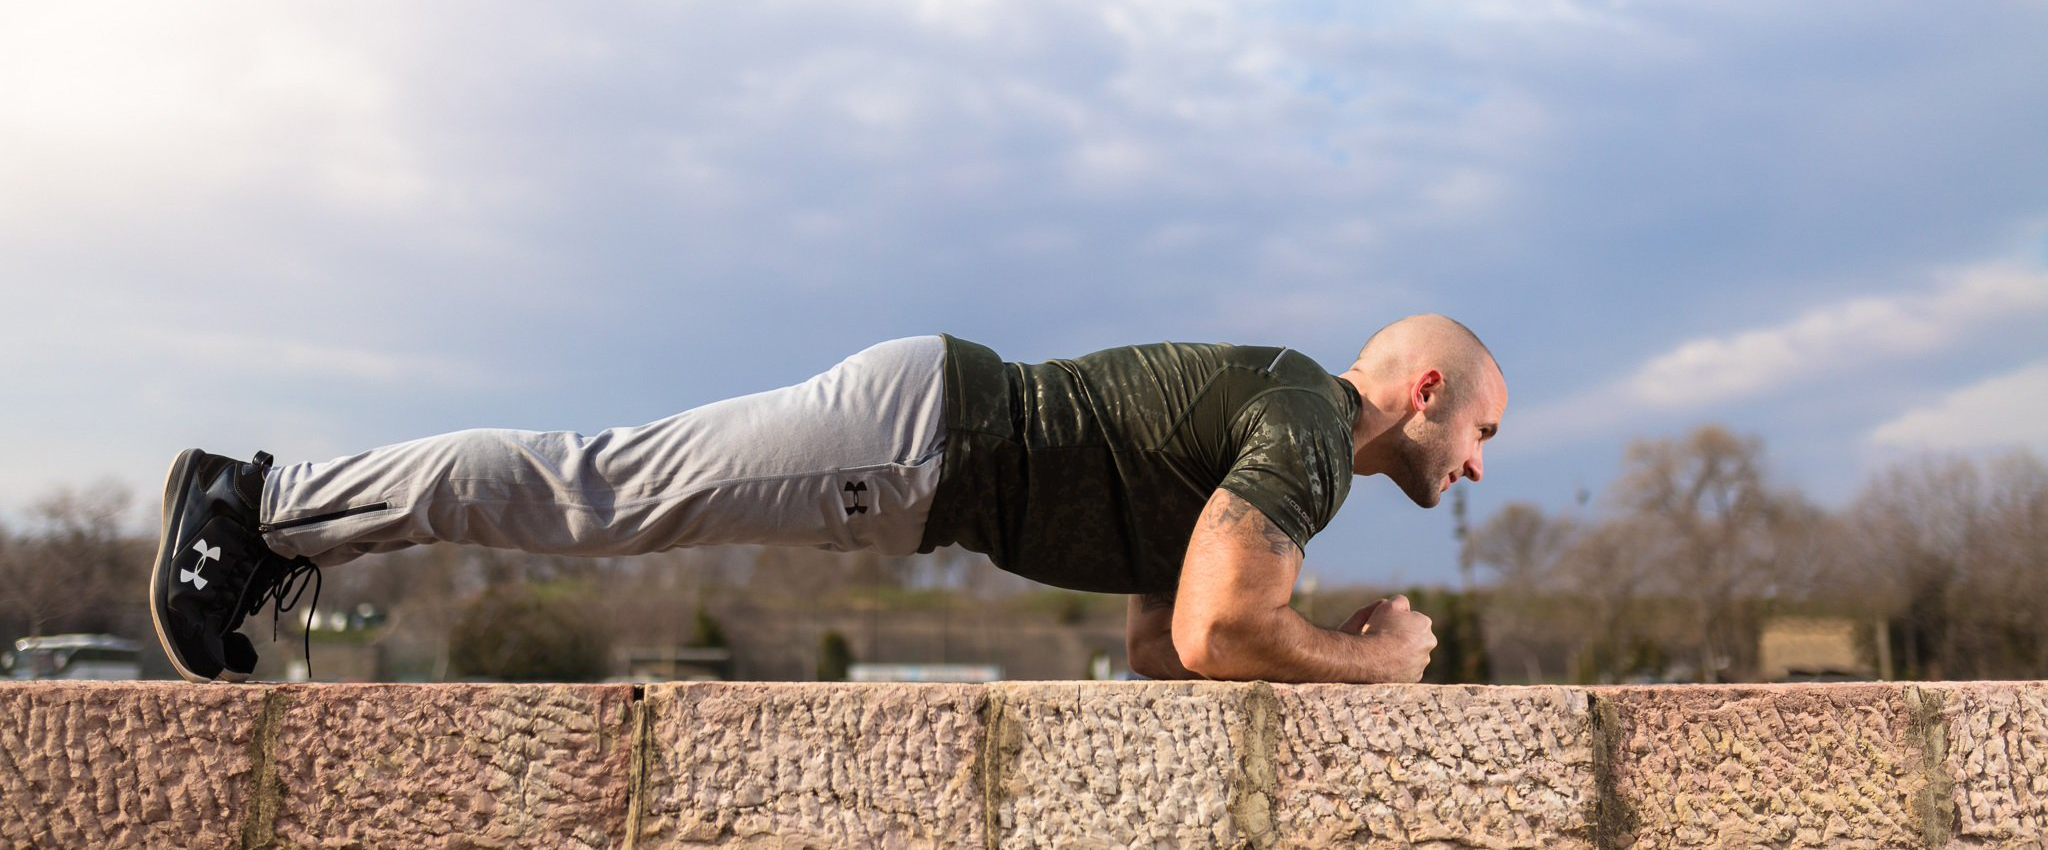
1189, 476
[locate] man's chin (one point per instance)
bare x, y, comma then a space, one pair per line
1426, 498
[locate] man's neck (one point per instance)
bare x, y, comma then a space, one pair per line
1376, 418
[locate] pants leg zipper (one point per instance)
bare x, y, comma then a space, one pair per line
265, 528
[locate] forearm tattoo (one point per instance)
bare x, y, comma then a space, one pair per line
1150, 602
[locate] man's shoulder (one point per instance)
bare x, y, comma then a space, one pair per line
1279, 360
1256, 355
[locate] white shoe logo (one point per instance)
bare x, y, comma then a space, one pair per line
192, 575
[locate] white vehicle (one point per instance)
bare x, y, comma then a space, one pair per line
73, 657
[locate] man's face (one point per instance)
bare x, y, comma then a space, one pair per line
1444, 445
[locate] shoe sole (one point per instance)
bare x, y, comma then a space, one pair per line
164, 545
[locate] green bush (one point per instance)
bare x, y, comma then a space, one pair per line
531, 633
1460, 656
710, 633
835, 657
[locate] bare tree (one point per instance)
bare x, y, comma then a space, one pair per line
1520, 543
75, 566
2011, 576
1958, 553
1522, 546
1914, 525
1707, 495
1609, 573
9, 613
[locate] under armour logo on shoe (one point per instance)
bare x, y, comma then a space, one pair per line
851, 494
192, 576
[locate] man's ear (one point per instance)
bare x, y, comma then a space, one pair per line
1427, 387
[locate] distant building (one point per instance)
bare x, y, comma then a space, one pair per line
1806, 649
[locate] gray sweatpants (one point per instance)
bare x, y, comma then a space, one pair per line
846, 460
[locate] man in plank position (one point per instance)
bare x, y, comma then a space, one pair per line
1187, 475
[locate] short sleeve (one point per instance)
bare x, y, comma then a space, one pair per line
1293, 460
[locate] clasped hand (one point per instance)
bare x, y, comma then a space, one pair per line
1402, 636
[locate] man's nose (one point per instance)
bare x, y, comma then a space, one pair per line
1475, 467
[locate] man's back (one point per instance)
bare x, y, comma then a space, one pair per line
1089, 473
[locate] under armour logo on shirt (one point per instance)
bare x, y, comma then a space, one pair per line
851, 494
192, 576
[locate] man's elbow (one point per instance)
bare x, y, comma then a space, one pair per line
1222, 650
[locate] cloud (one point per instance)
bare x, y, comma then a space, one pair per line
1829, 338
282, 357
2000, 412
144, 108
1835, 339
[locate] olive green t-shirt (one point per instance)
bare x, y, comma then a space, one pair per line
1089, 473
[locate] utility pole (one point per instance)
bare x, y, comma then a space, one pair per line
1471, 660
1460, 530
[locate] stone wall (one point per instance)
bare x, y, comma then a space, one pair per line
1022, 764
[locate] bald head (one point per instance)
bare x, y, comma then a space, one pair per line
1432, 396
1428, 341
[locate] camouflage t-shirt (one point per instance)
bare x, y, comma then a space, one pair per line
1089, 473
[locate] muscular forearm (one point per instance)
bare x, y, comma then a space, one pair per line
1278, 645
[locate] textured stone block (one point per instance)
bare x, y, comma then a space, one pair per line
803, 765
1409, 766
1023, 765
470, 765
124, 764
1996, 761
1785, 766
1123, 764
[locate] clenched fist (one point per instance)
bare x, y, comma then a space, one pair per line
1401, 637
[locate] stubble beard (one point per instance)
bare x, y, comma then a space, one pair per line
1423, 469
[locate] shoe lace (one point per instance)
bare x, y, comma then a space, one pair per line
290, 581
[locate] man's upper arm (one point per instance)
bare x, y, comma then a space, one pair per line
1239, 564
1292, 462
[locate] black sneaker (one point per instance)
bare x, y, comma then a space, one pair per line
212, 567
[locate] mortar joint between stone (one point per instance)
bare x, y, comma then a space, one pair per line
640, 715
1934, 803
265, 794
1613, 815
990, 765
1253, 788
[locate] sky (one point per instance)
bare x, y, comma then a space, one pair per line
317, 228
